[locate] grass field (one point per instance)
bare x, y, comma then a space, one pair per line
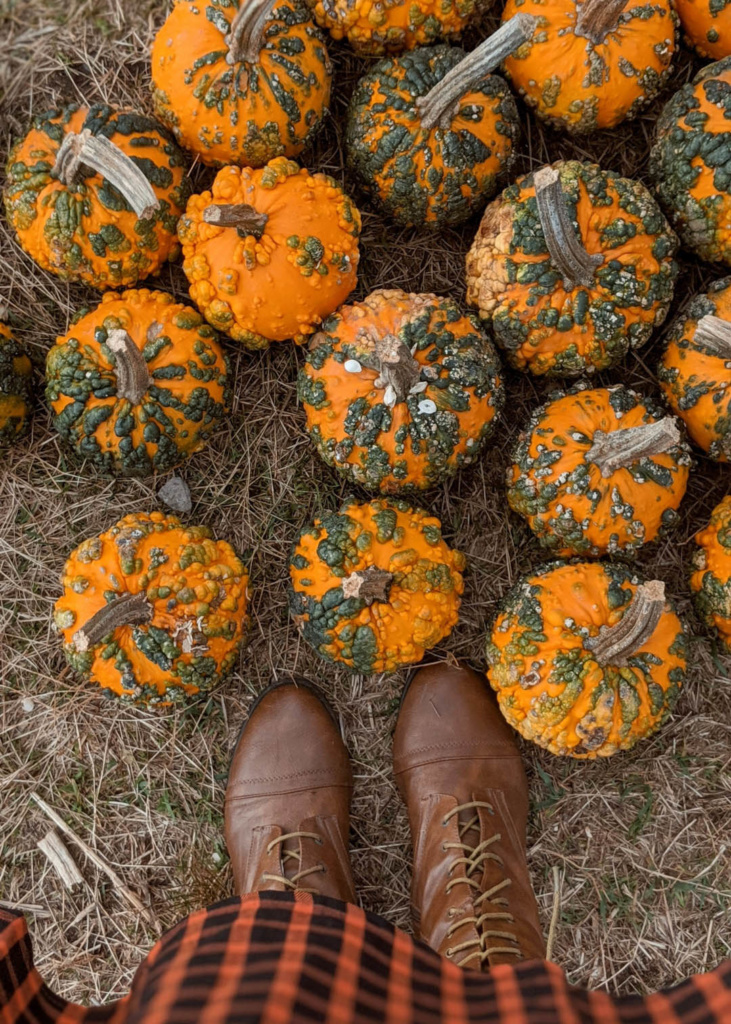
634, 847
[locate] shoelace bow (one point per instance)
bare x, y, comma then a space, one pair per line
292, 881
473, 858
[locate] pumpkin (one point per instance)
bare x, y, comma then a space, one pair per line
400, 390
270, 252
707, 26
586, 659
241, 82
152, 610
573, 266
689, 162
710, 579
94, 195
374, 586
695, 370
137, 384
378, 28
16, 379
592, 63
431, 134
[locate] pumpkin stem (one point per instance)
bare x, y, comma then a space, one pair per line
563, 240
597, 18
99, 153
246, 36
127, 610
370, 585
714, 334
622, 448
130, 367
441, 103
614, 645
398, 371
241, 216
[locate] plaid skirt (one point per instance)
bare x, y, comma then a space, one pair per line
279, 958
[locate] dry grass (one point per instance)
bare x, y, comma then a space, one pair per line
639, 841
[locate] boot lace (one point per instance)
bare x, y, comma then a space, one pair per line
474, 857
291, 881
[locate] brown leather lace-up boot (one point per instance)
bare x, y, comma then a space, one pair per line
288, 798
460, 773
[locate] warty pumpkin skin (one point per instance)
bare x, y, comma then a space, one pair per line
400, 390
707, 26
16, 380
152, 610
691, 162
137, 384
572, 266
592, 63
377, 28
268, 253
710, 579
586, 659
375, 586
110, 229
241, 82
598, 472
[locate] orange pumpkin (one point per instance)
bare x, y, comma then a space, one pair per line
395, 25
710, 579
16, 381
707, 26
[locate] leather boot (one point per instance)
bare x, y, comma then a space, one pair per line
460, 773
288, 798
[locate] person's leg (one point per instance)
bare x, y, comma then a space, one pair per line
460, 773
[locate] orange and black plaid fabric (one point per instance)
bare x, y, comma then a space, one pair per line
278, 958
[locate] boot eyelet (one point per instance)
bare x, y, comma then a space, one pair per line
449, 952
444, 847
319, 842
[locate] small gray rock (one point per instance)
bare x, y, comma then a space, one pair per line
176, 495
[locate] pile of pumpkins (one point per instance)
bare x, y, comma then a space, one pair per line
571, 267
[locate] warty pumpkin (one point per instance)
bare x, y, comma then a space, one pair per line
374, 586
152, 610
241, 81
691, 162
707, 26
710, 579
586, 659
572, 266
16, 380
695, 370
400, 390
137, 384
270, 252
592, 63
94, 194
377, 28
598, 472
431, 134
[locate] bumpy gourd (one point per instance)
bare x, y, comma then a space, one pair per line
400, 390
573, 266
691, 162
16, 380
599, 472
152, 610
377, 28
707, 26
137, 384
270, 252
710, 579
592, 63
375, 586
241, 82
94, 195
431, 134
586, 659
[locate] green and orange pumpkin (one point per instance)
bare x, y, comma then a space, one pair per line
16, 381
707, 26
710, 579
378, 28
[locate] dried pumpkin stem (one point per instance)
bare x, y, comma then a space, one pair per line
714, 334
130, 367
127, 610
614, 645
241, 216
597, 18
564, 243
398, 371
370, 585
437, 107
98, 152
616, 449
246, 36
